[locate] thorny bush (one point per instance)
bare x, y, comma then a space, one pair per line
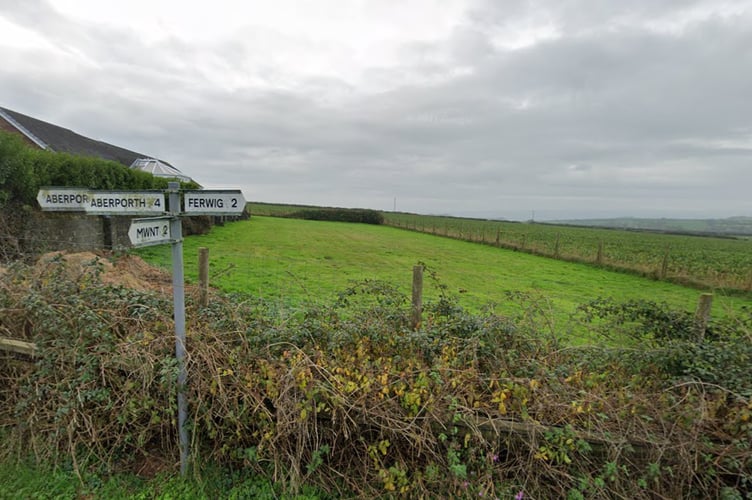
349, 399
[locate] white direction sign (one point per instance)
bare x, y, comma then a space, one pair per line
63, 199
153, 231
205, 202
126, 203
101, 202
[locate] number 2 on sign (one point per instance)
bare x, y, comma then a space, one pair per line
234, 203
165, 230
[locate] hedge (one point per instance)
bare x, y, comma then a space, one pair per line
24, 170
364, 216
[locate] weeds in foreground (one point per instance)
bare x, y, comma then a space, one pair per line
348, 399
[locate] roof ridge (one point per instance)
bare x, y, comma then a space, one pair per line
36, 140
53, 137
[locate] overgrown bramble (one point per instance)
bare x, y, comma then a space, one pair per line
369, 407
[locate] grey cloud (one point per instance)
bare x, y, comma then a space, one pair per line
610, 117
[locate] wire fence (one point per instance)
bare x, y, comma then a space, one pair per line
291, 280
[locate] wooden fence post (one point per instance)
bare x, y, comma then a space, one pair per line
203, 276
556, 246
417, 296
599, 257
664, 264
702, 315
498, 237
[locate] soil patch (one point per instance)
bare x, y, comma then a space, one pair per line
128, 271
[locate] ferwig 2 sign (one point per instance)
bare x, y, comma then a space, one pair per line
205, 202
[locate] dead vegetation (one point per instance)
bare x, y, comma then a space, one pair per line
349, 399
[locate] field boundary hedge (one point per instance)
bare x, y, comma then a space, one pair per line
357, 215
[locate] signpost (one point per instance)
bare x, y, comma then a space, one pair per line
125, 203
63, 199
154, 231
214, 202
101, 202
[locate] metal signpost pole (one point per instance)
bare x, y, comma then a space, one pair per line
154, 231
178, 297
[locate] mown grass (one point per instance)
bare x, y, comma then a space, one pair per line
294, 261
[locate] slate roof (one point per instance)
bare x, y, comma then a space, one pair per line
54, 138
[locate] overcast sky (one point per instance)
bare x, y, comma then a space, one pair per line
490, 108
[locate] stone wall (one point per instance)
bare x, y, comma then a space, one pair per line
49, 231
41, 232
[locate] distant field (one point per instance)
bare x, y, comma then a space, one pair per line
704, 262
711, 262
294, 261
735, 226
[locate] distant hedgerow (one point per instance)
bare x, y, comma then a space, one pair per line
364, 216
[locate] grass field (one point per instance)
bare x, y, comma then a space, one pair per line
702, 261
294, 261
720, 262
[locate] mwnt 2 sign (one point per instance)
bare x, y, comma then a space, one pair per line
152, 231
